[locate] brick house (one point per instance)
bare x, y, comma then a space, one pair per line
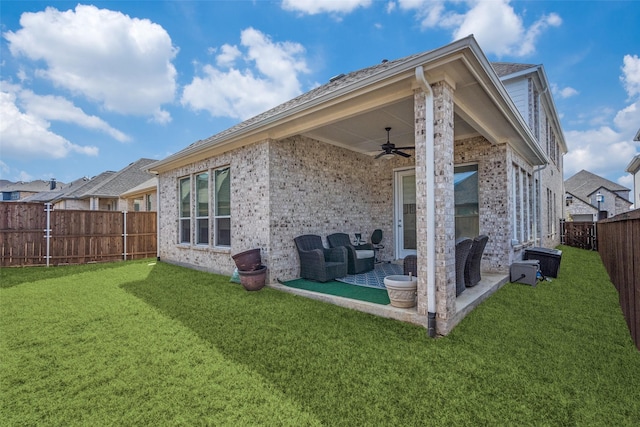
584, 189
309, 166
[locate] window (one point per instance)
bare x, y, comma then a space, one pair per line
465, 181
148, 204
202, 209
222, 207
209, 208
185, 210
523, 197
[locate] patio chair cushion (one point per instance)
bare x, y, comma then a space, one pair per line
364, 254
356, 264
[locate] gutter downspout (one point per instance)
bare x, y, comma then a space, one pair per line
430, 202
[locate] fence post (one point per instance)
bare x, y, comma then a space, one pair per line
47, 231
124, 235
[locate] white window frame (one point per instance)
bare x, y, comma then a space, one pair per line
202, 239
221, 215
184, 217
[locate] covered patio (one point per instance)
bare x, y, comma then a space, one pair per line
465, 302
450, 108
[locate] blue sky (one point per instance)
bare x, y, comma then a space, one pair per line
89, 87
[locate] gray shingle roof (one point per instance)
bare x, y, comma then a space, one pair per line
585, 183
505, 68
125, 179
85, 187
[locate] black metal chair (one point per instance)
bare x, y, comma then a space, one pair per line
463, 246
319, 263
472, 267
360, 258
376, 238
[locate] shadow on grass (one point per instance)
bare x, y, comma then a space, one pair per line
527, 356
318, 354
14, 276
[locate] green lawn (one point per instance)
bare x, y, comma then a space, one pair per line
145, 343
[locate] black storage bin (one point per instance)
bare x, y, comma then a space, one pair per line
549, 259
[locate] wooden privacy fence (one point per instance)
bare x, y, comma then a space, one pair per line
35, 234
619, 248
579, 234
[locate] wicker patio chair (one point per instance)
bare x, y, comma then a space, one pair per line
319, 263
360, 258
472, 267
410, 265
463, 246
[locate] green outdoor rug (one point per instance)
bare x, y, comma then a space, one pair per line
361, 293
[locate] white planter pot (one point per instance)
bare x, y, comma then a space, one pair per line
402, 290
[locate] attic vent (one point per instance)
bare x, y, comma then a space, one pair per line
334, 78
384, 61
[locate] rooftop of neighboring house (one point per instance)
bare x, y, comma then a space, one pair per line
31, 186
585, 183
108, 184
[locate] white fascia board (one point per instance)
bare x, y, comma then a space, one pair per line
634, 165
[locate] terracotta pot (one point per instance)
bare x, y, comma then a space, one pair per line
248, 260
253, 280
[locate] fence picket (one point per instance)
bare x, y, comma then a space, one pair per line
619, 249
74, 236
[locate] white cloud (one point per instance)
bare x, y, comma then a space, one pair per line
607, 150
313, 7
628, 119
57, 108
494, 23
631, 74
29, 135
564, 93
602, 151
391, 6
121, 62
228, 56
268, 78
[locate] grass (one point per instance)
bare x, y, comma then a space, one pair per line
151, 343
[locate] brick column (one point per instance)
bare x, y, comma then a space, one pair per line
419, 112
445, 204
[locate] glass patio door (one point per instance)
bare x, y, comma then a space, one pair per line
405, 212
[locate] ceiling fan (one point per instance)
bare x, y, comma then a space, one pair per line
389, 148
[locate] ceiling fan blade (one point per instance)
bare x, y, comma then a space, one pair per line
405, 148
380, 155
400, 153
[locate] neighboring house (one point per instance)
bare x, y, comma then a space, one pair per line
19, 191
482, 163
103, 192
634, 169
587, 194
143, 197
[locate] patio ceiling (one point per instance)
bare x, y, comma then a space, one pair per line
479, 109
366, 133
